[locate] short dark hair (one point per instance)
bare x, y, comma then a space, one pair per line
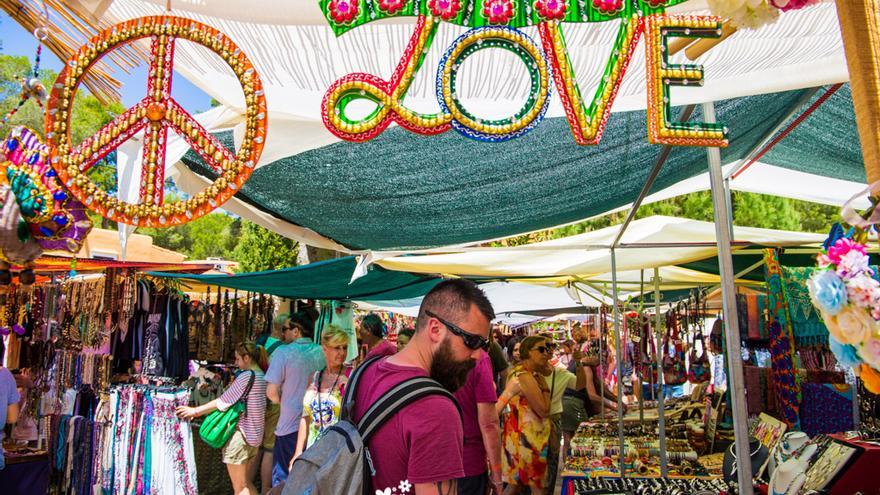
453, 299
408, 332
305, 324
373, 324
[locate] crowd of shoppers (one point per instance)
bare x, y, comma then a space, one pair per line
519, 398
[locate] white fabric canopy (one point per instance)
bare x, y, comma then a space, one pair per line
588, 255
298, 57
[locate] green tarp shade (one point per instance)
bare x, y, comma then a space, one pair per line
322, 280
406, 191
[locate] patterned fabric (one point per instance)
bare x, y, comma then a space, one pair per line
322, 408
826, 408
785, 378
806, 323
526, 440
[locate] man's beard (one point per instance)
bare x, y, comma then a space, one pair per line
448, 372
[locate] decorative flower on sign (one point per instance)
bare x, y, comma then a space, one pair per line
444, 9
343, 11
391, 7
745, 13
786, 5
828, 292
869, 351
498, 11
551, 10
608, 6
847, 296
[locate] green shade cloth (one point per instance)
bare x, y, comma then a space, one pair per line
322, 280
406, 191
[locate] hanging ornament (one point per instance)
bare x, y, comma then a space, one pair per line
31, 86
54, 219
155, 115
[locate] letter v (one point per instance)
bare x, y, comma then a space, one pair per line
587, 123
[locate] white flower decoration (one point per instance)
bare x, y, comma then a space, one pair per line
405, 486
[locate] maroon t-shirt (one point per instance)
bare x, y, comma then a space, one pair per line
382, 349
422, 443
479, 387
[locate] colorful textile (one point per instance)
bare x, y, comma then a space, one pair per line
526, 440
322, 408
806, 322
783, 367
826, 408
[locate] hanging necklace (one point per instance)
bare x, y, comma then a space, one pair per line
329, 393
751, 454
789, 486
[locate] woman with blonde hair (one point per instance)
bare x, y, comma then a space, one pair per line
323, 400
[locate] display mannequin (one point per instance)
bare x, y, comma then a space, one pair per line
790, 443
758, 453
788, 478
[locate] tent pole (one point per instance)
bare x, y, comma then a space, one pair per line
731, 333
803, 100
617, 344
649, 182
664, 470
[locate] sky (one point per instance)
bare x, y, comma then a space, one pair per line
17, 41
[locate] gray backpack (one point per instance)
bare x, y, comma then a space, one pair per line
339, 463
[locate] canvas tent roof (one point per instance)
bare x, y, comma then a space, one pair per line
411, 192
646, 243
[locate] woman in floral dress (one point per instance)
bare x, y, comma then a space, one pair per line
527, 428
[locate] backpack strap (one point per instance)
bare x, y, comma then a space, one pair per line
247, 391
348, 398
392, 401
274, 346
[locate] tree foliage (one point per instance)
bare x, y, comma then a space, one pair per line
749, 210
261, 249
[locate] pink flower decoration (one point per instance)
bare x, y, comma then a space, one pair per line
786, 5
843, 246
391, 7
863, 291
551, 9
608, 6
498, 11
343, 11
852, 264
444, 9
869, 351
824, 261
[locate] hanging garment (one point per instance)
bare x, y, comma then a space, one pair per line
785, 379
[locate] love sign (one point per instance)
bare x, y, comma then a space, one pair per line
496, 24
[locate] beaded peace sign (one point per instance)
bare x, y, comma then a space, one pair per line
155, 115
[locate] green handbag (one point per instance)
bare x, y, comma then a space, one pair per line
219, 426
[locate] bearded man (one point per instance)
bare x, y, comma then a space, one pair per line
421, 446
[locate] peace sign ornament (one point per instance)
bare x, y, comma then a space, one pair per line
155, 115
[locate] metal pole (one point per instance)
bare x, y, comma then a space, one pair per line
641, 390
601, 365
731, 326
664, 470
616, 311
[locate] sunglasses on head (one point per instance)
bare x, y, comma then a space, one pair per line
472, 341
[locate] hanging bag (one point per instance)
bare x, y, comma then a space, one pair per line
674, 372
219, 426
647, 353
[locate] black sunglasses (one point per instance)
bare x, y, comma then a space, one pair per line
544, 348
472, 341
